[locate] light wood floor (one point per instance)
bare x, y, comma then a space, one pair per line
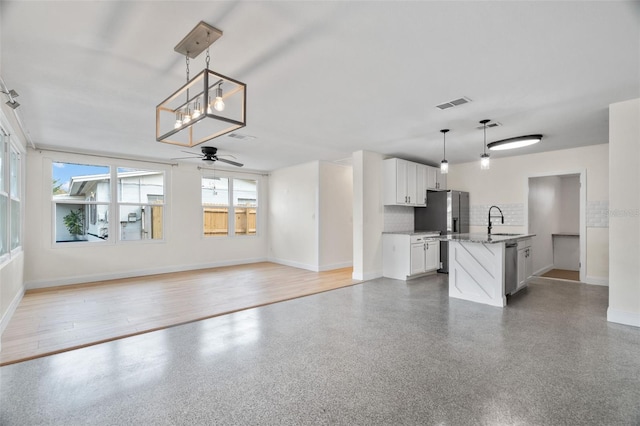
563, 274
63, 318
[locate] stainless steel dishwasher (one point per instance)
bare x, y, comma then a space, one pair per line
510, 267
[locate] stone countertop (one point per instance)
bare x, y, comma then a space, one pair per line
435, 233
484, 238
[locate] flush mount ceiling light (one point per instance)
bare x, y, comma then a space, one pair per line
512, 143
444, 164
12, 102
484, 158
205, 107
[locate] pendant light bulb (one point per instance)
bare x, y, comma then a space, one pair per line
178, 120
187, 116
218, 104
444, 164
196, 110
485, 162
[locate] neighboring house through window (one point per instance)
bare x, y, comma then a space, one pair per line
83, 194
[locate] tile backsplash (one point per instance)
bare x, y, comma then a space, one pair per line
513, 214
597, 214
398, 218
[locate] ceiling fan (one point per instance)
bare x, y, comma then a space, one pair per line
209, 154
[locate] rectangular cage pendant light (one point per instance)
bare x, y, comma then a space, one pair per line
195, 114
207, 106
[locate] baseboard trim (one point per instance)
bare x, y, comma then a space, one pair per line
333, 266
293, 264
39, 284
604, 281
622, 317
543, 270
11, 309
367, 276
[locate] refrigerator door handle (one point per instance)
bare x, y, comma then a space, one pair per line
455, 224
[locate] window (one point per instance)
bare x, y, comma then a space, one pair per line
10, 195
81, 193
4, 197
245, 202
140, 204
82, 196
14, 184
215, 206
218, 194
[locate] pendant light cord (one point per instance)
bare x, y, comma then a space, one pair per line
485, 138
444, 145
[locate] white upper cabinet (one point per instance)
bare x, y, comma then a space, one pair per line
436, 181
404, 183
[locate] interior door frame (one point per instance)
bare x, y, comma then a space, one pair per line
582, 173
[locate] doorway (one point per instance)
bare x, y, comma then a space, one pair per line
556, 215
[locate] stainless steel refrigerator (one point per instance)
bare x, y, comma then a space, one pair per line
447, 212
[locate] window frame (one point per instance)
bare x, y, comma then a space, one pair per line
113, 206
118, 204
231, 206
9, 146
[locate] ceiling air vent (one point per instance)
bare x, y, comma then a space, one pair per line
241, 137
454, 103
489, 125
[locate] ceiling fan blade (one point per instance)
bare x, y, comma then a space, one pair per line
233, 163
227, 155
192, 153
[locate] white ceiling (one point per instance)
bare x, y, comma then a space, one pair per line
325, 79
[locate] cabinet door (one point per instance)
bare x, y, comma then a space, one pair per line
528, 265
402, 196
421, 185
522, 267
417, 258
411, 182
432, 179
432, 258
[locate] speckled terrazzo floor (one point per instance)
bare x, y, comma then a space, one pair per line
382, 352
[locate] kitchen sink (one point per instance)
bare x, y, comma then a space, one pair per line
504, 234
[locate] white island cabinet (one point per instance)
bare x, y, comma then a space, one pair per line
407, 255
477, 265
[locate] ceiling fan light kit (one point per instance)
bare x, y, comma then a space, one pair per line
207, 106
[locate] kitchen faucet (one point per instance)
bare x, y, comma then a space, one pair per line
489, 218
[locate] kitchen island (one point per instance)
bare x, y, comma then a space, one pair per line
481, 265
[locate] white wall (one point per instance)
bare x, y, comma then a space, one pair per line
368, 215
184, 247
310, 216
624, 213
544, 219
570, 204
336, 216
507, 181
293, 221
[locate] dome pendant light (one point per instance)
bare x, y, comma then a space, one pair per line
484, 158
444, 164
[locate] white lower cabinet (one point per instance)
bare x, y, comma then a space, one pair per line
525, 262
405, 256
